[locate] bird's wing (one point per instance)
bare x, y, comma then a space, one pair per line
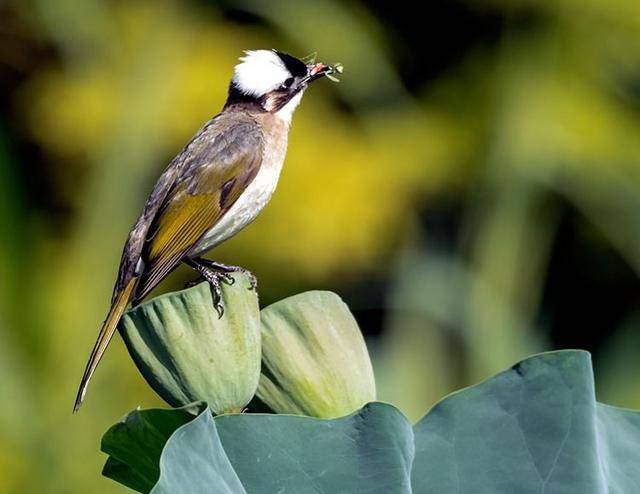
215, 172
132, 250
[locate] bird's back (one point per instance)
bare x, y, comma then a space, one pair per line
195, 191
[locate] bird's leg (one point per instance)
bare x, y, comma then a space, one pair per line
225, 268
212, 267
214, 279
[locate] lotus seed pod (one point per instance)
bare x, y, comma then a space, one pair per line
314, 358
187, 353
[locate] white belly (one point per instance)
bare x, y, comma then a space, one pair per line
246, 208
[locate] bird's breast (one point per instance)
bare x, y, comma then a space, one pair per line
254, 198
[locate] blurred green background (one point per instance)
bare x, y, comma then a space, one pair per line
471, 188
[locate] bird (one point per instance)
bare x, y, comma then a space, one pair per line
213, 188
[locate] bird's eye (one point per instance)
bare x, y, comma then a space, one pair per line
288, 83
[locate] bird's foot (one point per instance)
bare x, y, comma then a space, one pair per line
215, 279
226, 269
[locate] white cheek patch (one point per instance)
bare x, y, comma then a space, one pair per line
259, 72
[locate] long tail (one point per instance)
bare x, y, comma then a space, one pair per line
109, 326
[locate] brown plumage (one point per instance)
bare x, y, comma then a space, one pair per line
217, 168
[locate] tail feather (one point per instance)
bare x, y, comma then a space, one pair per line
109, 326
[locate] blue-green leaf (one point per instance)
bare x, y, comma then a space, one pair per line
369, 451
194, 462
531, 429
134, 444
535, 428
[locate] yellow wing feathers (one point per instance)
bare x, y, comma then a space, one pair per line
176, 233
190, 210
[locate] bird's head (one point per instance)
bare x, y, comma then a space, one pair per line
273, 81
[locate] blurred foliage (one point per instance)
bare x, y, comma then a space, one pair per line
432, 187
